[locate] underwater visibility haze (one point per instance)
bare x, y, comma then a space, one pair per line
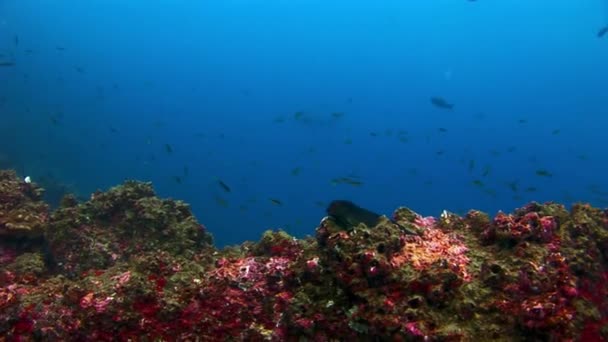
260, 113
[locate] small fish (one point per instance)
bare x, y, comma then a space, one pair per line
513, 185
348, 141
337, 115
522, 121
275, 201
555, 131
373, 134
486, 170
471, 165
495, 153
16, 40
177, 179
491, 193
298, 115
221, 202
59, 48
478, 183
168, 148
224, 186
441, 103
543, 173
531, 189
186, 171
346, 180
7, 64
296, 171
79, 69
443, 130
602, 32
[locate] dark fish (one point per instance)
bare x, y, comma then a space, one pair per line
486, 170
543, 173
59, 48
177, 179
602, 32
79, 69
275, 201
346, 180
348, 215
522, 121
221, 202
298, 115
477, 182
7, 64
471, 165
443, 130
441, 102
296, 171
337, 114
168, 148
223, 185
514, 186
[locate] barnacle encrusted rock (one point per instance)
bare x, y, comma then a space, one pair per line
22, 213
124, 221
130, 266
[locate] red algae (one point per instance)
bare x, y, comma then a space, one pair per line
126, 265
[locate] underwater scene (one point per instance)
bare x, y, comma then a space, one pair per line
271, 170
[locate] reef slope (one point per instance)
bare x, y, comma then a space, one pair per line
127, 265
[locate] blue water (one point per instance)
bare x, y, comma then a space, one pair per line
99, 88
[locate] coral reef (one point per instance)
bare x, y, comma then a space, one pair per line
126, 265
22, 213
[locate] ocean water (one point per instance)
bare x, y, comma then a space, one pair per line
292, 104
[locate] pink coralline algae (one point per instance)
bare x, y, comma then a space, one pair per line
126, 266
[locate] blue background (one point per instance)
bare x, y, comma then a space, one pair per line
100, 87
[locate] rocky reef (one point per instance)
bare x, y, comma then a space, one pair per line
127, 265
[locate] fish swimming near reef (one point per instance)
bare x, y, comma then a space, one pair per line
602, 32
441, 102
224, 186
348, 215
